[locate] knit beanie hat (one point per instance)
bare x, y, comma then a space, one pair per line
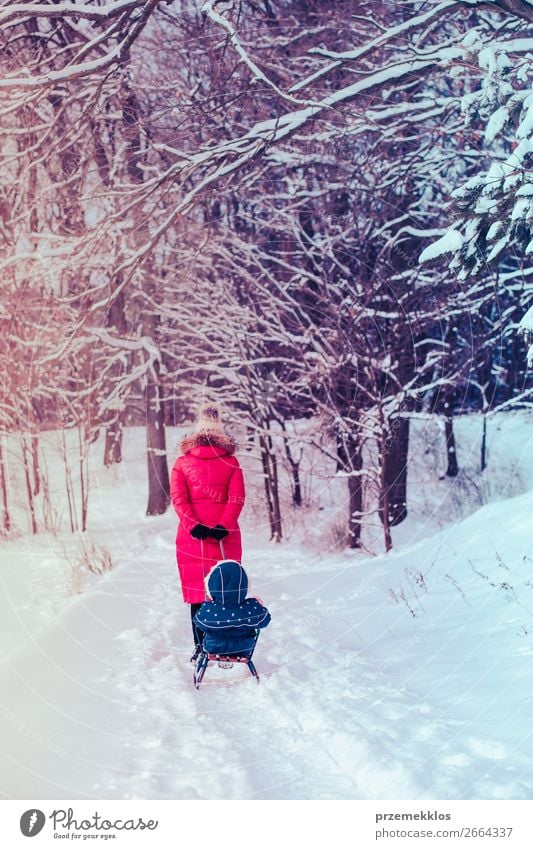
209, 420
208, 431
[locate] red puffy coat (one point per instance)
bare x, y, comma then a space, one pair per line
207, 488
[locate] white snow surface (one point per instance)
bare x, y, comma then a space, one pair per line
391, 676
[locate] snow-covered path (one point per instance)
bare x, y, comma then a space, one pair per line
379, 679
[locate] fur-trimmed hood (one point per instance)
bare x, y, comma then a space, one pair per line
214, 438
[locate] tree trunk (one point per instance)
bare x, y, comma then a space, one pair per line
394, 453
270, 474
295, 470
277, 535
296, 485
156, 450
6, 519
116, 320
250, 438
355, 490
484, 445
71, 501
113, 443
385, 513
350, 460
453, 469
35, 465
266, 479
84, 477
29, 489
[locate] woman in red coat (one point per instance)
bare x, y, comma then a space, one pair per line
207, 491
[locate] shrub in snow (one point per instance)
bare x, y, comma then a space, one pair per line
89, 558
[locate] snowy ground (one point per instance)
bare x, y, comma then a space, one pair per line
383, 677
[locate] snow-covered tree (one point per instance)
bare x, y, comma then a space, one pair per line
314, 149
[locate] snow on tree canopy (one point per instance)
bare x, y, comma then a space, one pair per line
451, 241
526, 325
496, 123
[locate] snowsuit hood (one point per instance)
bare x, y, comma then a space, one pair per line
229, 620
228, 583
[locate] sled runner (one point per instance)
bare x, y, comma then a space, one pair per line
225, 661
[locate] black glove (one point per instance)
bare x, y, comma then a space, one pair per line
200, 532
218, 532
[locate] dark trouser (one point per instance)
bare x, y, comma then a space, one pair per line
196, 632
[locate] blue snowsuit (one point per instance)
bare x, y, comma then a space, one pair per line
230, 620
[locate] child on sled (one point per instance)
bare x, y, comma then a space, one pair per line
229, 623
229, 620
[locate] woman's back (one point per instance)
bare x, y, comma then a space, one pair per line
207, 492
208, 470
